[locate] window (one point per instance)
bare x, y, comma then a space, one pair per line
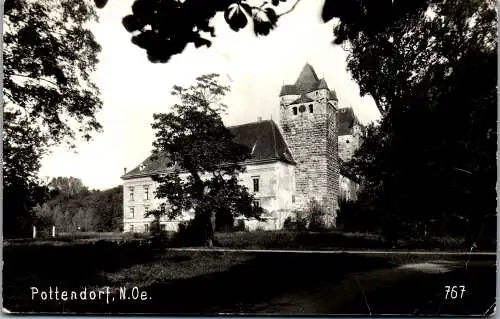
293, 198
294, 110
131, 212
146, 209
146, 228
163, 227
132, 228
256, 203
131, 193
255, 184
310, 108
347, 141
146, 192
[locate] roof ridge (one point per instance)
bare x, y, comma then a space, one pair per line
249, 123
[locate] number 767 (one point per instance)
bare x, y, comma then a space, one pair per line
452, 292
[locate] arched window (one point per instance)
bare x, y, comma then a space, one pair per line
294, 110
310, 108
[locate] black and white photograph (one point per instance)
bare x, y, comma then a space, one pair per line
250, 157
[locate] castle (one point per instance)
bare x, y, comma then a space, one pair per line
291, 164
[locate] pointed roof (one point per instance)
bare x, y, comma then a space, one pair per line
346, 119
322, 84
333, 95
307, 75
263, 137
306, 82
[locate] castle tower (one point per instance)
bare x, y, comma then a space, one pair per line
308, 111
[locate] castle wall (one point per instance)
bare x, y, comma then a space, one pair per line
348, 144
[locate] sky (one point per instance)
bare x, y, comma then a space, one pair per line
133, 89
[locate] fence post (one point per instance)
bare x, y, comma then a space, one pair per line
34, 231
53, 231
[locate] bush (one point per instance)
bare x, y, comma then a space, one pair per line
357, 217
317, 216
240, 226
193, 233
296, 223
289, 224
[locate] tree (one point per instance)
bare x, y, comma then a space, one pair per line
203, 160
432, 160
69, 209
68, 186
48, 56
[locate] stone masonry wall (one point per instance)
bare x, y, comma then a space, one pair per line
312, 140
348, 144
333, 168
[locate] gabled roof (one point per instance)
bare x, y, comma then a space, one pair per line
263, 137
302, 99
346, 119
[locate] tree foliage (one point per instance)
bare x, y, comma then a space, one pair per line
165, 28
203, 160
48, 56
73, 207
432, 160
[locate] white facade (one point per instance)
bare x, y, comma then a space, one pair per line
272, 184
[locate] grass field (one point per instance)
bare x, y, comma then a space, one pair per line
331, 240
216, 282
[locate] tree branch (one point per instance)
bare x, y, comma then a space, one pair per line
289, 10
39, 79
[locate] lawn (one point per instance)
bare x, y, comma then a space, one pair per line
234, 282
335, 240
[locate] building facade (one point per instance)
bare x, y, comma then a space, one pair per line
292, 163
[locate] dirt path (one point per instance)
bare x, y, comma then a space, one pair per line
413, 288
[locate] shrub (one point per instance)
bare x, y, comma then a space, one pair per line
193, 233
357, 216
240, 226
289, 224
317, 215
296, 223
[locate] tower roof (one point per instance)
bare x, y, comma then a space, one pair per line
346, 120
307, 75
322, 84
306, 82
289, 90
333, 95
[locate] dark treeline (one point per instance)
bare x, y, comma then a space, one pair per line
73, 207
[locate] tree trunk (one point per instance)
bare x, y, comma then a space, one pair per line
211, 226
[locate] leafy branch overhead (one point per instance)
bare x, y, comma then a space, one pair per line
164, 28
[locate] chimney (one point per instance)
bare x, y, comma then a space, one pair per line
259, 119
124, 170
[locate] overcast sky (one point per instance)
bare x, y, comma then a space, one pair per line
133, 88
